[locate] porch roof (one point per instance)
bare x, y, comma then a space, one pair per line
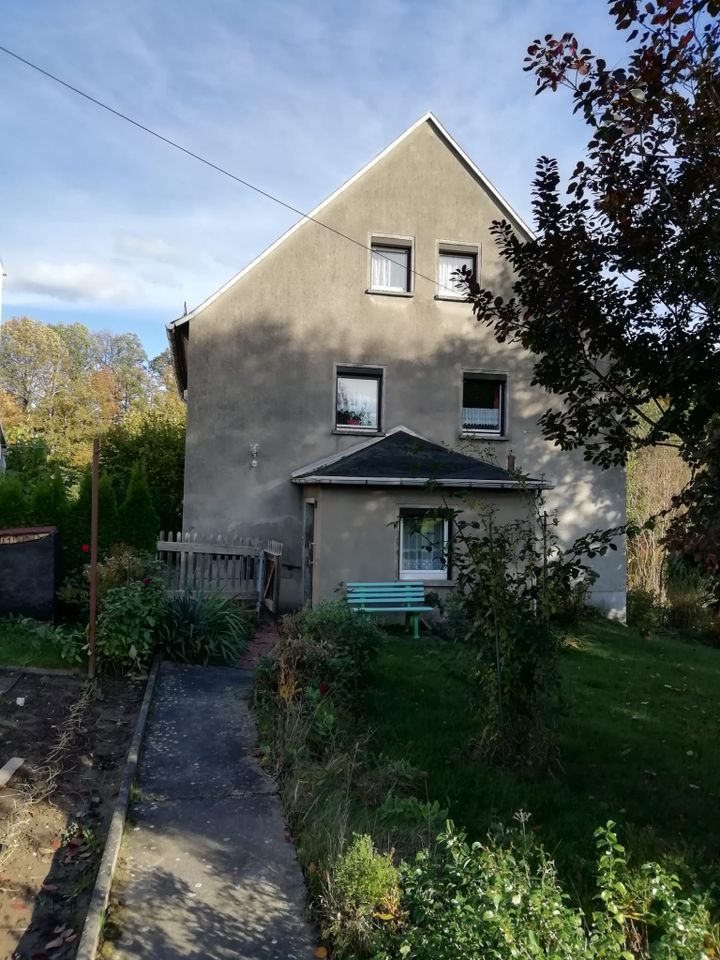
403, 458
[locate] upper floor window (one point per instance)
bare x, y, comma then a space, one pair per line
391, 266
483, 403
450, 261
358, 394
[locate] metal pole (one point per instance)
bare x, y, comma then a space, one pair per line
93, 556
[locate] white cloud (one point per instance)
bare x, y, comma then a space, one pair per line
147, 247
74, 282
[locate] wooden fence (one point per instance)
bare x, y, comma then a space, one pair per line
237, 567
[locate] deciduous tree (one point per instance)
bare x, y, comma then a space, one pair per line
618, 295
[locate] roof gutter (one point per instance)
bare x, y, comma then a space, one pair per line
517, 485
177, 338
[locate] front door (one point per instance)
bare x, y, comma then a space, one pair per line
308, 550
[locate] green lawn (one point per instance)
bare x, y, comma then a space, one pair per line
639, 744
19, 647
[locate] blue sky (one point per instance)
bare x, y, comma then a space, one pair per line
102, 224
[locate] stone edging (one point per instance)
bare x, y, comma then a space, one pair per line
46, 671
94, 919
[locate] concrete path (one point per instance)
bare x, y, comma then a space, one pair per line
207, 870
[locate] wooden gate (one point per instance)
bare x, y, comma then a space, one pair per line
239, 568
271, 568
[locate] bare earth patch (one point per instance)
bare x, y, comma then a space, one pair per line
55, 811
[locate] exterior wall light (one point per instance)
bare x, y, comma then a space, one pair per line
254, 449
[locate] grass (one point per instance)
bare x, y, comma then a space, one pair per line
639, 743
21, 647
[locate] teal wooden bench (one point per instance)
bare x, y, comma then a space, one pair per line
402, 596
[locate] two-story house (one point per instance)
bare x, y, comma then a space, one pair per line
332, 378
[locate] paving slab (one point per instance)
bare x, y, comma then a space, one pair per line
207, 870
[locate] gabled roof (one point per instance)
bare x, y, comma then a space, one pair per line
429, 118
403, 458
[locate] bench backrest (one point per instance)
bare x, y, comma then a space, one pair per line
401, 594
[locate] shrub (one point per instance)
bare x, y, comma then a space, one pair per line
204, 628
330, 644
689, 596
503, 900
139, 522
79, 521
362, 895
48, 501
496, 900
644, 613
515, 581
13, 503
120, 568
129, 624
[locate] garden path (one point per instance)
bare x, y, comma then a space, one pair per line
207, 867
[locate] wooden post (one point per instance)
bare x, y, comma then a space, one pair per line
93, 557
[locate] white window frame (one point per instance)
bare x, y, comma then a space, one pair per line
443, 574
397, 242
492, 376
451, 248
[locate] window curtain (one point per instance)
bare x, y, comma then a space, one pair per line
449, 264
390, 268
423, 544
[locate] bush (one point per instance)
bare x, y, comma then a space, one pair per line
13, 503
644, 613
139, 522
204, 628
48, 501
129, 625
362, 897
329, 645
689, 596
79, 521
515, 582
121, 567
503, 900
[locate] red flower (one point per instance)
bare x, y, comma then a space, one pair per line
85, 548
323, 688
147, 581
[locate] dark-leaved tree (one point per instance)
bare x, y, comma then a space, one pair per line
618, 294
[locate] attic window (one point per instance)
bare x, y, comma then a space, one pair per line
391, 266
451, 260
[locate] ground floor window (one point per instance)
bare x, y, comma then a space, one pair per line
424, 546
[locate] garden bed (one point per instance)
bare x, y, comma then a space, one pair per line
374, 740
55, 811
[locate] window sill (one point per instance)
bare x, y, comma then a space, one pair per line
427, 582
388, 293
358, 432
478, 435
447, 299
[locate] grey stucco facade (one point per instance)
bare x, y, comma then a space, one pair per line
260, 362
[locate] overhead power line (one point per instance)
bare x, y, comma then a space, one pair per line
204, 160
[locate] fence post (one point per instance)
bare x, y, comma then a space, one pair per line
260, 579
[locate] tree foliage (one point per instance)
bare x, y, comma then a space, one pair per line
617, 295
139, 522
66, 384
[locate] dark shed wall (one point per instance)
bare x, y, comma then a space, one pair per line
29, 566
